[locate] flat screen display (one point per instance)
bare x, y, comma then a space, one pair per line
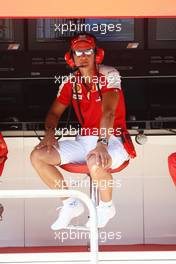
111, 33
11, 34
162, 33
166, 29
103, 29
6, 30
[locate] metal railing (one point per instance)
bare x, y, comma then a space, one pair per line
6, 194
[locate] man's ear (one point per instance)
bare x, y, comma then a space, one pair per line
69, 59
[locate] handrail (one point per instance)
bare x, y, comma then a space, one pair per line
6, 194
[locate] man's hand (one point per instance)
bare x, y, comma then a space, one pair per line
48, 141
102, 156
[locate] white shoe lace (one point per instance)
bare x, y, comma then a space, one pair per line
71, 204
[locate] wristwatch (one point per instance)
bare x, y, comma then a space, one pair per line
104, 141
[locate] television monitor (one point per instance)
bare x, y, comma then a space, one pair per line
115, 33
162, 33
11, 34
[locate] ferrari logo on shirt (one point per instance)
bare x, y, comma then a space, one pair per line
78, 88
77, 91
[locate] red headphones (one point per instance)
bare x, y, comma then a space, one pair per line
99, 52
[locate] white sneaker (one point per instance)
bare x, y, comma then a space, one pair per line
71, 208
104, 215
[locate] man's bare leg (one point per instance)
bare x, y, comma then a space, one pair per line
44, 163
102, 177
106, 209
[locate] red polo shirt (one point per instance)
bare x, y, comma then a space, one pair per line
90, 101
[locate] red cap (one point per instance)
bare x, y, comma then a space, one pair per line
172, 166
83, 42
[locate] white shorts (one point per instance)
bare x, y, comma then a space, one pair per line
75, 151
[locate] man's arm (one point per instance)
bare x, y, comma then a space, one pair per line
54, 115
109, 104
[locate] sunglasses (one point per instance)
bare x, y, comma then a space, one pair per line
79, 53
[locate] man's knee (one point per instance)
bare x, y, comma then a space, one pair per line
35, 156
41, 155
93, 167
